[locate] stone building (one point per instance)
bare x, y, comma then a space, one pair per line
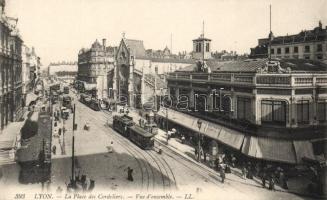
139, 75
65, 71
26, 72
308, 44
93, 67
270, 110
10, 70
35, 65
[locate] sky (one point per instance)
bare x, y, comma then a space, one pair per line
58, 29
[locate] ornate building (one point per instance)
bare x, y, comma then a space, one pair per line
139, 75
10, 70
93, 67
270, 110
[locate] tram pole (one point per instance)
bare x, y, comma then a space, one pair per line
199, 140
73, 148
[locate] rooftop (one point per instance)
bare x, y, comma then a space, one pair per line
135, 47
317, 34
253, 65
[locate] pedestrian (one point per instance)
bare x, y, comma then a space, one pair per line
59, 189
233, 160
244, 170
54, 149
282, 180
272, 183
228, 170
183, 139
222, 175
263, 179
196, 151
130, 174
92, 185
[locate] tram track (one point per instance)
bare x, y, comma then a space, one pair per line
144, 166
144, 161
164, 170
128, 145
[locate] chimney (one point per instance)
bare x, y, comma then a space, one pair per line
104, 43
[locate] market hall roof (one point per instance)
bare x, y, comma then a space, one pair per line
253, 65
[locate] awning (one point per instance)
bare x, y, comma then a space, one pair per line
303, 149
269, 149
213, 130
231, 137
9, 134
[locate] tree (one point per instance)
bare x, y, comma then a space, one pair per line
29, 129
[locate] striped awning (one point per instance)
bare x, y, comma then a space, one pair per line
303, 149
269, 149
231, 138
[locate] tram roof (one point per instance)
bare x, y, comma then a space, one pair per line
141, 131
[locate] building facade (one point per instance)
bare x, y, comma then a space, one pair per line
308, 44
35, 66
262, 103
26, 71
93, 67
10, 70
139, 75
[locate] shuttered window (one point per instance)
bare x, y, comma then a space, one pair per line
322, 111
244, 108
303, 111
273, 111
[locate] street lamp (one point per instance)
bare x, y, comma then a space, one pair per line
199, 138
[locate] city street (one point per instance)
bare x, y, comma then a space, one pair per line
152, 171
104, 156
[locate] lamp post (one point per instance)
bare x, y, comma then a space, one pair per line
199, 139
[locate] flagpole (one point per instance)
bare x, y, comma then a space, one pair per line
270, 34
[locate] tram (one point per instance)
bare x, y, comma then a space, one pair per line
122, 123
91, 103
141, 137
126, 127
94, 104
67, 101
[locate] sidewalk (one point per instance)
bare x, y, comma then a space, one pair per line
295, 186
10, 140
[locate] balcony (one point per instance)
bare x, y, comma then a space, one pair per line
278, 80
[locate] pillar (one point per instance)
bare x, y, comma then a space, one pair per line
256, 109
131, 86
1, 113
292, 111
210, 101
191, 95
177, 93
